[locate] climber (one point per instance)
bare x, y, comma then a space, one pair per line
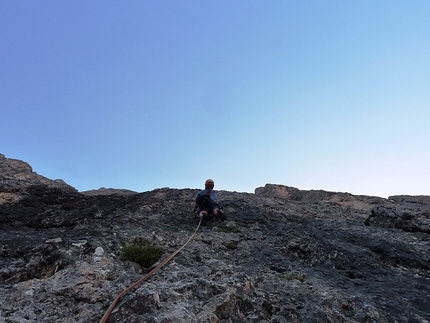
206, 206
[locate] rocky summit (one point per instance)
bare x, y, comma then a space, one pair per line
282, 255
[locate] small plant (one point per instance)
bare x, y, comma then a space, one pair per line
367, 221
231, 245
292, 277
142, 252
348, 310
109, 276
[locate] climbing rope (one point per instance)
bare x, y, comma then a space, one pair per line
165, 261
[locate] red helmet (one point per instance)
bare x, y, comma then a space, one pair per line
209, 184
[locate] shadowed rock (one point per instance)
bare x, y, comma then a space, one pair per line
284, 255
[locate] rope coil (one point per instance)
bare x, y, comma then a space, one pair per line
165, 261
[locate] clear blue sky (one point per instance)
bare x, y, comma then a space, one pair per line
331, 95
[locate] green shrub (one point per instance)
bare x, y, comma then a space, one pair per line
109, 276
292, 276
348, 310
142, 252
231, 245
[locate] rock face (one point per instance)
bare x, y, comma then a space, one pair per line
283, 255
17, 176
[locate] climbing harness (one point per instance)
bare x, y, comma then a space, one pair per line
165, 261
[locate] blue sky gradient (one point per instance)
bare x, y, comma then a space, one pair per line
331, 95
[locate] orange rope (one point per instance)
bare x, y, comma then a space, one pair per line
165, 261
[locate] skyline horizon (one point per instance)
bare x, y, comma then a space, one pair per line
197, 188
317, 95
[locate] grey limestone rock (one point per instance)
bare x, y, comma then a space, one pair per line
283, 255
